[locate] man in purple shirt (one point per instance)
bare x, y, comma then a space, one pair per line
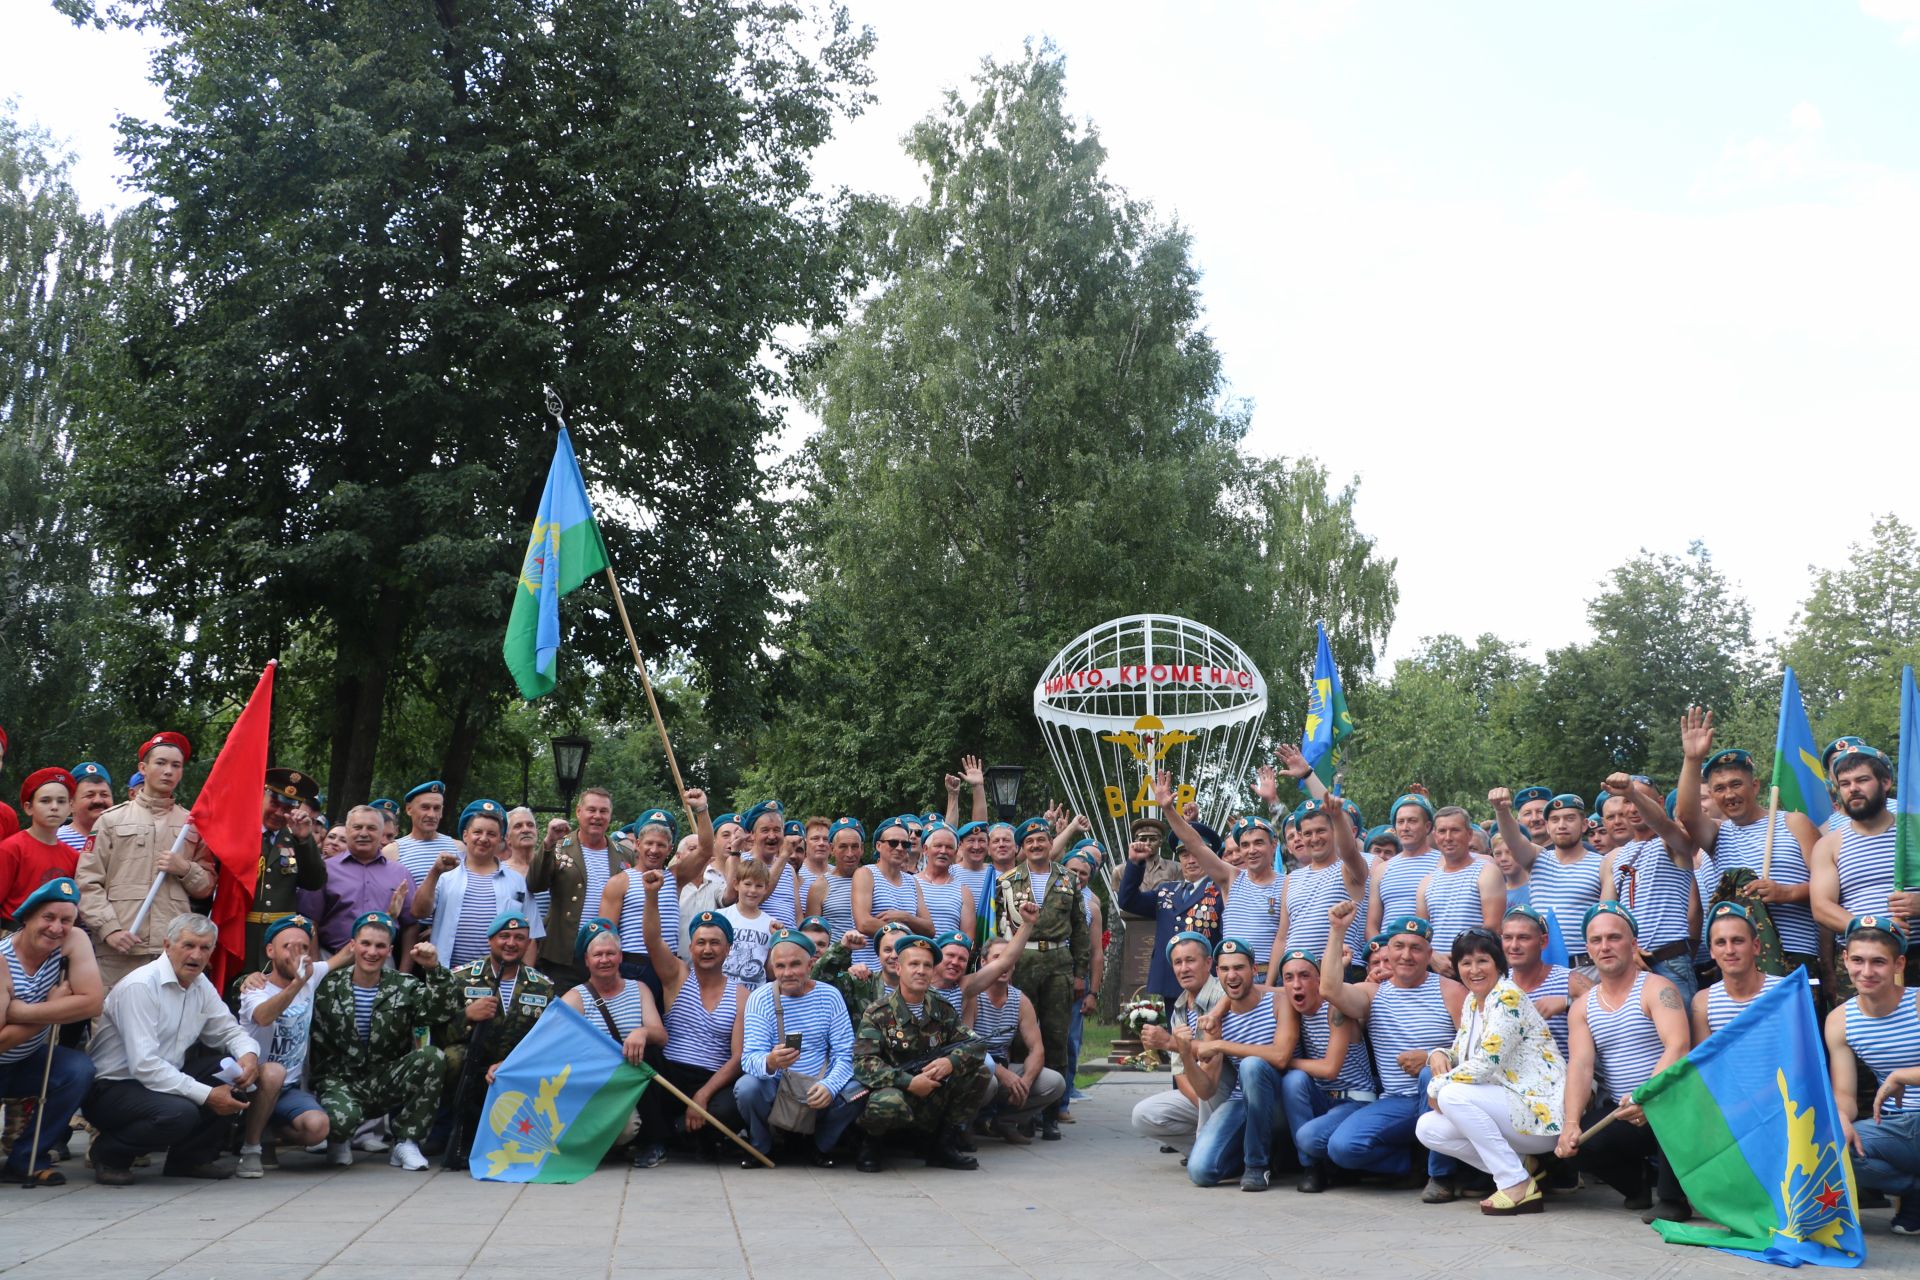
362, 879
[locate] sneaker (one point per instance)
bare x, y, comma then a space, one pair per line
1907, 1221
340, 1153
650, 1156
1254, 1179
406, 1155
250, 1166
369, 1142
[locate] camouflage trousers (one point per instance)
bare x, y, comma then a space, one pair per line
950, 1106
1046, 979
406, 1090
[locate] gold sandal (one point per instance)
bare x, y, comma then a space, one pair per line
1501, 1205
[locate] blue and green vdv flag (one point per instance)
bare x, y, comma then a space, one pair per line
1797, 770
1749, 1124
1906, 815
563, 551
1328, 724
557, 1103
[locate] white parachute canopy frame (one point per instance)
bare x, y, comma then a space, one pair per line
1144, 693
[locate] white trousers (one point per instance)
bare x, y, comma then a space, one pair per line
1472, 1125
1170, 1118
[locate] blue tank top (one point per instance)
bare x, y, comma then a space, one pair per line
628, 1013
695, 1037
29, 989
1655, 889
996, 1024
1316, 1034
1311, 891
976, 882
1567, 889
1253, 914
1746, 847
1706, 878
1865, 868
954, 995
1887, 1044
888, 897
1626, 1043
1255, 1026
633, 934
838, 907
779, 902
944, 904
477, 911
1399, 885
1554, 984
807, 876
1404, 1018
1722, 1008
1453, 902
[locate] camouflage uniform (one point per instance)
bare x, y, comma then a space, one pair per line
533, 994
833, 969
288, 863
891, 1047
1059, 950
388, 1073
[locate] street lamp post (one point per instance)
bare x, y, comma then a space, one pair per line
1003, 788
570, 767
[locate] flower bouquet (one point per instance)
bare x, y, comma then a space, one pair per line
1136, 1014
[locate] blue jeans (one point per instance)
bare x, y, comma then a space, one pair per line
67, 1083
1239, 1133
1379, 1138
1311, 1115
1076, 1033
754, 1096
1679, 971
1892, 1162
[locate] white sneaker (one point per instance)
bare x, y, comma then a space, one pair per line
406, 1155
249, 1166
340, 1153
369, 1142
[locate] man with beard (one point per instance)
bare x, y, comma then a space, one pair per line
926, 1071
290, 858
504, 999
92, 796
1173, 1118
1850, 870
132, 844
1563, 874
32, 856
276, 1008
48, 978
1190, 904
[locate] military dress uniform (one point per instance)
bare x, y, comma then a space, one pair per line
891, 1046
1059, 950
489, 1042
389, 1072
288, 864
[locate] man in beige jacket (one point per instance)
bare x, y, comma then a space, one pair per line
132, 843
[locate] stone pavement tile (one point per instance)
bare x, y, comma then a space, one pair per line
396, 1227
40, 1270
359, 1271
89, 1252
191, 1270
1000, 1272
679, 1255
404, 1255
910, 1256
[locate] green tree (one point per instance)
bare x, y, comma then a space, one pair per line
1023, 434
1450, 718
1669, 632
1859, 625
378, 229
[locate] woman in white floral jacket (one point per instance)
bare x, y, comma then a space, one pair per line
1496, 1093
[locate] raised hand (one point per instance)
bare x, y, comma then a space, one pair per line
1619, 784
1082, 823
972, 771
953, 784
1139, 851
1266, 784
1163, 791
445, 863
425, 955
1339, 914
653, 880
1696, 733
1501, 798
1292, 761
696, 799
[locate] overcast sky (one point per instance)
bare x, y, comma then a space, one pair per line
1555, 282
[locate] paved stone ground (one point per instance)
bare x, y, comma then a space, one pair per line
1099, 1204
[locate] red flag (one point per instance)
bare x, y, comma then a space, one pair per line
226, 813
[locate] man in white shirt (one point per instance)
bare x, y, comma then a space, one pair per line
143, 1098
276, 1009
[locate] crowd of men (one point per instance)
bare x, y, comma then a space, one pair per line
822, 990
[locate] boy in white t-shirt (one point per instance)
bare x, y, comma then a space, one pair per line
752, 928
276, 1008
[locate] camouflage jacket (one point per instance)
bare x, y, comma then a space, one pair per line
403, 1005
532, 995
890, 1045
1061, 921
834, 968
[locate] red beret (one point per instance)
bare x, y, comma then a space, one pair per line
40, 778
168, 738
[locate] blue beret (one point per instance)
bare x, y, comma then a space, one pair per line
1673, 799
1566, 800
426, 788
1858, 751
1298, 953
891, 824
1527, 912
91, 772
385, 805
710, 920
657, 818
508, 920
379, 919
285, 923
58, 889
848, 824
1527, 795
137, 778
1382, 832
1848, 745
935, 827
1727, 758
1233, 947
968, 828
1378, 941
1251, 823
761, 810
794, 828
1720, 910
1209, 837
1610, 907
794, 937
588, 932
1031, 825
481, 809
1188, 935
1410, 924
1893, 926
951, 938
1087, 851
891, 926
914, 940
1414, 798
1600, 803
816, 922
724, 819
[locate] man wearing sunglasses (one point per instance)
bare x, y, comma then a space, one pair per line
290, 858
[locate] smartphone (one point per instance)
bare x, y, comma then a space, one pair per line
793, 1040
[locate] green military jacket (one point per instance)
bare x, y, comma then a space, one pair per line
402, 1004
562, 871
533, 994
890, 1045
1061, 920
833, 969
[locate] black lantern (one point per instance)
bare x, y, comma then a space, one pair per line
1003, 787
570, 767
